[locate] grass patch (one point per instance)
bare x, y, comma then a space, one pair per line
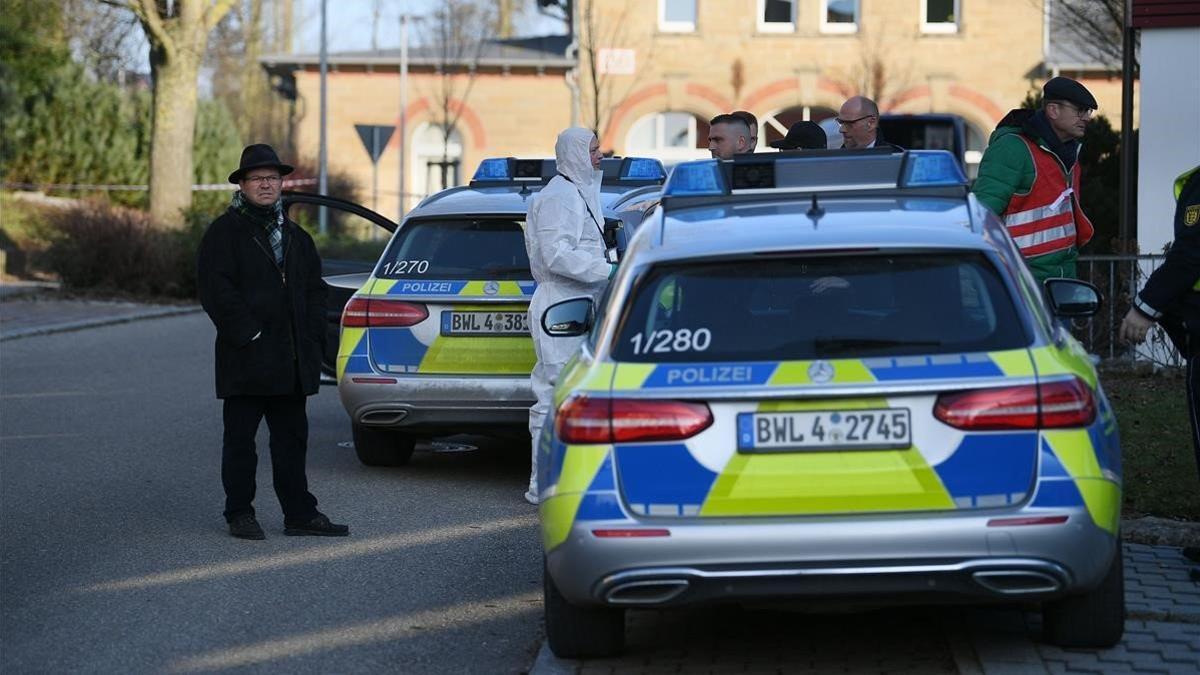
1160, 476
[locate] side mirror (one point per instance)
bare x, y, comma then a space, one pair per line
569, 318
1072, 298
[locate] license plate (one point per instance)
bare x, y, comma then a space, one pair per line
886, 428
485, 323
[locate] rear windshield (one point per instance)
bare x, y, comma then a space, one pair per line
795, 308
474, 249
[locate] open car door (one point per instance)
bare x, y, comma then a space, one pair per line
356, 237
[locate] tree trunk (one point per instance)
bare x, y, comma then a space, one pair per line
171, 171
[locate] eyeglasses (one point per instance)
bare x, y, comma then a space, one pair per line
1084, 113
845, 123
263, 180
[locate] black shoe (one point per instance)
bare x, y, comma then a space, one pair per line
319, 526
246, 527
1192, 553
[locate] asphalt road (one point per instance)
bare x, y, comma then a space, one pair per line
114, 556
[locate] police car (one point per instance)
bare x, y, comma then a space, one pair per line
827, 376
436, 341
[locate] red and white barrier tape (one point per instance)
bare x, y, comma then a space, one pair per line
204, 187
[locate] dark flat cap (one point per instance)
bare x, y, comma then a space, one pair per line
804, 135
1066, 89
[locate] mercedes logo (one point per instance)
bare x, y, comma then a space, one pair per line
491, 288
820, 372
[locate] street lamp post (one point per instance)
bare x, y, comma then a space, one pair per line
323, 169
403, 140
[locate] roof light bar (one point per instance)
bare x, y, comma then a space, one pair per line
638, 171
694, 179
931, 168
933, 173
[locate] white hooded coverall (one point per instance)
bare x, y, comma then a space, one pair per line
566, 256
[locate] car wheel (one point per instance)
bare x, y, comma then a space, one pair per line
382, 447
1094, 619
580, 632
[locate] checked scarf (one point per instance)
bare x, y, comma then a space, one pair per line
269, 218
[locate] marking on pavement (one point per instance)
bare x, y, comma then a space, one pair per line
292, 559
463, 614
27, 437
45, 394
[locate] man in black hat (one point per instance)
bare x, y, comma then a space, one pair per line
1030, 177
260, 283
805, 135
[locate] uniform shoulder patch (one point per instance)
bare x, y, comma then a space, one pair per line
1191, 215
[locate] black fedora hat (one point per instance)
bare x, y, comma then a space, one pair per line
256, 157
804, 135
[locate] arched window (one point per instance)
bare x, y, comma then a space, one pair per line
775, 125
670, 136
436, 160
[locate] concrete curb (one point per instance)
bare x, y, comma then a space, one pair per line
97, 321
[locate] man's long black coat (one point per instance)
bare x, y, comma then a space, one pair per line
244, 293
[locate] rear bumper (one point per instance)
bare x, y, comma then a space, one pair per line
922, 558
438, 403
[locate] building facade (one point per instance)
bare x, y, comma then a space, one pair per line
652, 72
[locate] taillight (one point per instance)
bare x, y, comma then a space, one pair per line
584, 419
1068, 403
376, 313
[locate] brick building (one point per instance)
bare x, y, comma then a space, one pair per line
662, 68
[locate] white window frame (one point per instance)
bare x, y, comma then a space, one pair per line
940, 27
676, 26
660, 149
776, 26
827, 27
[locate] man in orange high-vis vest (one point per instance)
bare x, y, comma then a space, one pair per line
1030, 177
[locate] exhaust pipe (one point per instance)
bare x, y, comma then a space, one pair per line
384, 418
1017, 582
654, 592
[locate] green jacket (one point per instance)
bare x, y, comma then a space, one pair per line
1007, 169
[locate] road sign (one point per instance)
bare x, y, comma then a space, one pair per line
374, 138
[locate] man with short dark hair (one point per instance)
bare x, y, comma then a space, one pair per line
728, 135
1030, 177
752, 123
260, 282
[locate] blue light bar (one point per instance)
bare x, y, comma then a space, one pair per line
931, 168
496, 168
692, 179
642, 168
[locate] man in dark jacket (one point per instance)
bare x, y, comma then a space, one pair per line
1171, 297
260, 283
1030, 177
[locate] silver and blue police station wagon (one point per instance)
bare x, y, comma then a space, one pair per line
436, 340
828, 376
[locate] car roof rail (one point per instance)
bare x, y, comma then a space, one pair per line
762, 176
513, 171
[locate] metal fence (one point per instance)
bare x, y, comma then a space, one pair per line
1119, 277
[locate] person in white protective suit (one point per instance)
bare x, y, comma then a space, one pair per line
564, 239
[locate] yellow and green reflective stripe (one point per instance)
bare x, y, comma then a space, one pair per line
1075, 451
347, 343
580, 464
846, 371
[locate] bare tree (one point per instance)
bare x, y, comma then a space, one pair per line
105, 39
177, 31
599, 33
1095, 27
879, 74
454, 36
238, 78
